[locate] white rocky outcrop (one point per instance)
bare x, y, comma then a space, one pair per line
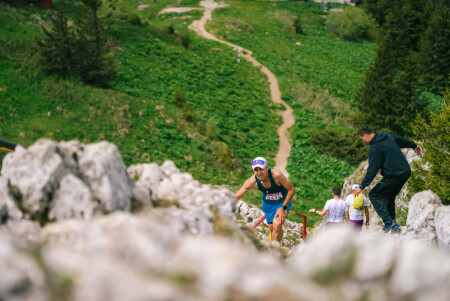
54, 181
187, 246
137, 257
101, 166
442, 225
352, 266
420, 224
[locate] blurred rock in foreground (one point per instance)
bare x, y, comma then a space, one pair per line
78, 225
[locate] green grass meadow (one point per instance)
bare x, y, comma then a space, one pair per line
227, 117
318, 76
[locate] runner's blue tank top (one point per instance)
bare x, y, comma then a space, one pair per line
275, 194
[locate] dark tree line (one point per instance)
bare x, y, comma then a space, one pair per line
79, 50
412, 57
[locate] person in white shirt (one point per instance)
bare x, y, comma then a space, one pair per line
335, 208
356, 216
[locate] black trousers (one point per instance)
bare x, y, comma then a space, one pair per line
383, 196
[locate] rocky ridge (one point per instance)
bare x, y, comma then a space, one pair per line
78, 225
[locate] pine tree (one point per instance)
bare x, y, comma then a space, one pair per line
56, 51
415, 14
372, 97
434, 55
96, 65
378, 9
405, 102
388, 98
79, 51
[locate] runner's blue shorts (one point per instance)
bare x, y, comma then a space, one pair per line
271, 209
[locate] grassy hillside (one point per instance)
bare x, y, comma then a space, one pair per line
318, 76
137, 113
227, 117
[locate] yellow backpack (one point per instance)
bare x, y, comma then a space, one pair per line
359, 202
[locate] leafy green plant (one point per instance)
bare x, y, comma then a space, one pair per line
352, 24
119, 11
340, 143
298, 25
433, 172
186, 40
180, 100
433, 101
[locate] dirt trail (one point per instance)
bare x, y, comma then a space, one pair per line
287, 115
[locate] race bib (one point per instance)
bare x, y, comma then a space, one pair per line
274, 196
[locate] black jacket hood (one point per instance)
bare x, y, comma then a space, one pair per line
378, 137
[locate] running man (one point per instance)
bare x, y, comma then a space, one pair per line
277, 193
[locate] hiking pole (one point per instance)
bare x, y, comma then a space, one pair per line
7, 145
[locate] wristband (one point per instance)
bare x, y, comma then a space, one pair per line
315, 210
285, 207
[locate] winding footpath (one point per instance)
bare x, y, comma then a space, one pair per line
288, 116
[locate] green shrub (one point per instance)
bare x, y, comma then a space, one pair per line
435, 137
340, 144
353, 24
221, 153
119, 10
434, 102
298, 25
186, 40
180, 100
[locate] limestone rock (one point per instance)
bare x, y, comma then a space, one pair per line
20, 276
351, 266
73, 198
421, 272
169, 168
33, 174
105, 173
335, 258
442, 225
9, 207
188, 246
420, 221
54, 181
24, 233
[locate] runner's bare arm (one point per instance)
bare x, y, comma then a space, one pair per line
250, 183
280, 179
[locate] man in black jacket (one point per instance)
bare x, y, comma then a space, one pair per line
385, 153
